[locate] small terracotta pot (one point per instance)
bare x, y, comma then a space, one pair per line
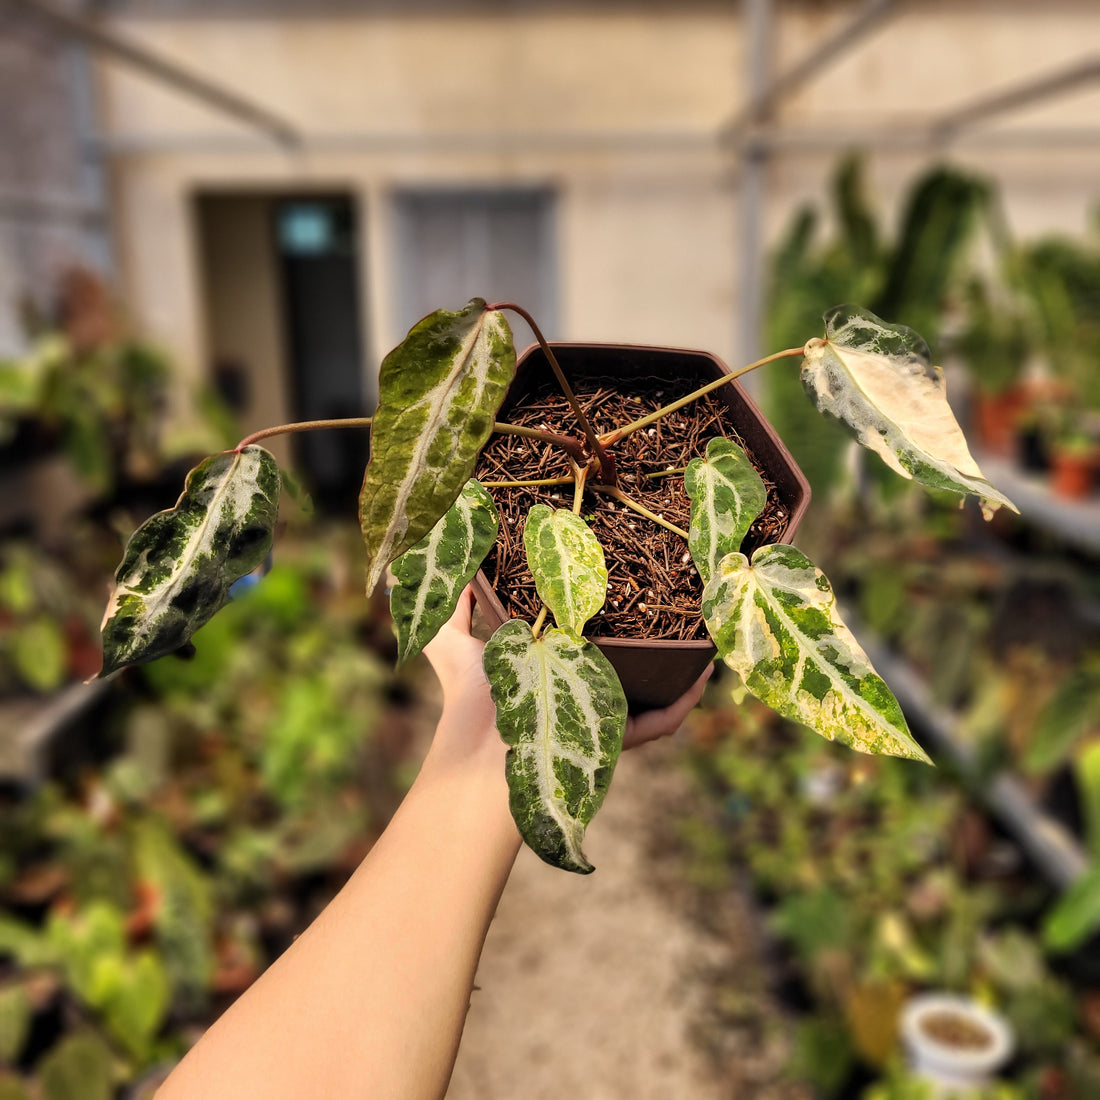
1071, 474
656, 672
996, 416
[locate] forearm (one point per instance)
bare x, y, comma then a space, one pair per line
370, 1000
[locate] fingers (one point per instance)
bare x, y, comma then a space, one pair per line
659, 723
462, 617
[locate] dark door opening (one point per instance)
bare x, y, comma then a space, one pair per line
316, 242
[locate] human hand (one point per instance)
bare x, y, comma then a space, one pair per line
456, 657
653, 724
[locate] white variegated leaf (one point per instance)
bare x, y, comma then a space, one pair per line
878, 379
775, 623
432, 574
179, 564
562, 712
727, 494
439, 391
567, 562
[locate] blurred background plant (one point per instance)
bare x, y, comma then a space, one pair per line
163, 837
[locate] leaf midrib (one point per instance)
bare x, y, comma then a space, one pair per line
809, 644
193, 544
436, 410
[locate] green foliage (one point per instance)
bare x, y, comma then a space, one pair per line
80, 1067
823, 1053
39, 600
438, 392
1077, 914
1070, 713
15, 1022
880, 381
129, 987
727, 494
559, 708
775, 623
179, 565
567, 562
100, 399
562, 712
910, 281
431, 575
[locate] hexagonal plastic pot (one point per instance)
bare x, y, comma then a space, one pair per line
655, 672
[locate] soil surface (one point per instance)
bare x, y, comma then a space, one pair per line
605, 986
653, 587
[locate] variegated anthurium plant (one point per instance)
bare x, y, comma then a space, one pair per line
560, 706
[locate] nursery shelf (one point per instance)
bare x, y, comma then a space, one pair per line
1051, 847
1075, 522
29, 726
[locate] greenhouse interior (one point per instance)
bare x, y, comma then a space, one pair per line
862, 860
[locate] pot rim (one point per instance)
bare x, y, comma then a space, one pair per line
934, 1054
483, 589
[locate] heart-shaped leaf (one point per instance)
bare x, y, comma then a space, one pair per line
775, 623
179, 564
432, 575
562, 711
439, 391
727, 494
566, 560
879, 380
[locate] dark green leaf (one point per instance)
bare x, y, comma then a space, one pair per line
179, 564
562, 712
432, 574
566, 560
439, 391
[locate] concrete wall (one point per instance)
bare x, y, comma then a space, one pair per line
615, 106
46, 221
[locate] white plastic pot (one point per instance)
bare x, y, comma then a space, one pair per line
983, 1042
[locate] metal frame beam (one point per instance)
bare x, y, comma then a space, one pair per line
761, 104
1056, 83
113, 45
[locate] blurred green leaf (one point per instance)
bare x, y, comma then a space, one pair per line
1076, 915
80, 1067
15, 1022
1070, 713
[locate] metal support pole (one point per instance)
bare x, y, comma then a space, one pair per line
753, 171
767, 95
168, 72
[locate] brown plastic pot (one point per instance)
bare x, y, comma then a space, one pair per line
655, 672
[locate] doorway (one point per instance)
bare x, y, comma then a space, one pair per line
281, 286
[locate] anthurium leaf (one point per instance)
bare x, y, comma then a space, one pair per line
879, 380
439, 391
432, 574
775, 623
179, 564
566, 560
562, 711
1076, 916
727, 494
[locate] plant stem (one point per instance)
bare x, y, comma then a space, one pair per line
580, 473
668, 473
607, 466
539, 621
641, 509
572, 447
529, 484
614, 436
304, 426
